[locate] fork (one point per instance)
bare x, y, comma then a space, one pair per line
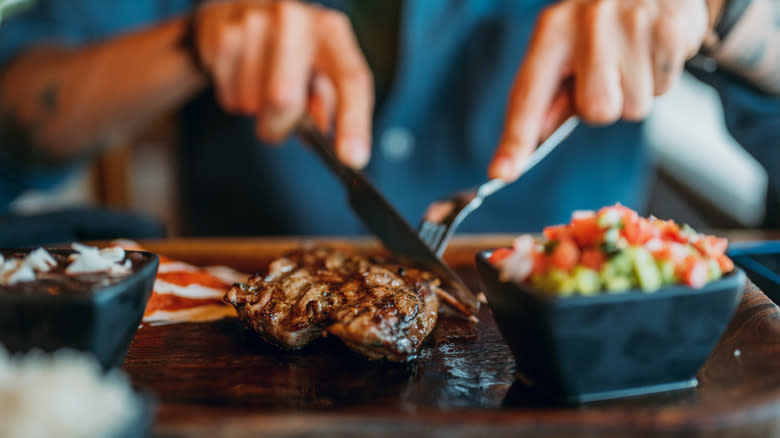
443, 216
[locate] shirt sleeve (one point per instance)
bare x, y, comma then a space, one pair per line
72, 23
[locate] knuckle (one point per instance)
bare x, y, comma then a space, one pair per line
265, 134
334, 21
600, 110
246, 105
360, 77
635, 20
285, 11
253, 18
599, 9
636, 110
226, 101
668, 33
279, 98
226, 37
553, 17
663, 85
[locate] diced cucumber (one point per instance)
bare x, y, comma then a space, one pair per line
617, 274
666, 268
542, 282
619, 284
609, 218
586, 280
688, 232
555, 281
714, 271
647, 274
613, 242
622, 263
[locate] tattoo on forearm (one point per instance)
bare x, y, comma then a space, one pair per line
17, 140
49, 97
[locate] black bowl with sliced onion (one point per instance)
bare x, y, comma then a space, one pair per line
49, 306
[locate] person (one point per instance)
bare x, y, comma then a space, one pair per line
423, 95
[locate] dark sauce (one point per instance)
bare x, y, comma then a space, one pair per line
57, 282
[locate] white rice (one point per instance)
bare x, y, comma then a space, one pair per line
63, 395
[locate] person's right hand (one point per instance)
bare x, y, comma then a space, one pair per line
278, 60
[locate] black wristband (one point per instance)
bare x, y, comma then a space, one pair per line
730, 15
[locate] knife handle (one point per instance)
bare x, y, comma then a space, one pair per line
322, 145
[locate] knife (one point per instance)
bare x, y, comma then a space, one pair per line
384, 221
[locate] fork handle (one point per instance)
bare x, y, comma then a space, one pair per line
538, 155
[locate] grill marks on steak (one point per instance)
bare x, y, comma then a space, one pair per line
381, 310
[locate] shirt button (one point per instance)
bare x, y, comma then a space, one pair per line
397, 144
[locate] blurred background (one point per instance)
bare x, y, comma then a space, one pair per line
702, 176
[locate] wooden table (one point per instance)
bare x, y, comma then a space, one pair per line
217, 379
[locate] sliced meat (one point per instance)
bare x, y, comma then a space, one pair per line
379, 309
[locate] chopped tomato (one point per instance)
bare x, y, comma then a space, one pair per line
693, 271
711, 246
659, 249
541, 261
499, 254
585, 230
593, 258
725, 263
671, 231
565, 255
556, 232
637, 231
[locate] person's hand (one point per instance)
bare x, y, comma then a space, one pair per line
617, 54
279, 60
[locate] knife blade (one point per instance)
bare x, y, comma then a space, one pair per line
383, 220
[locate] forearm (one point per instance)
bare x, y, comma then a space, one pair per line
58, 104
751, 49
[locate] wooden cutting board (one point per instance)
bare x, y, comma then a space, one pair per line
218, 379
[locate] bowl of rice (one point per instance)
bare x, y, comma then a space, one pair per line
67, 394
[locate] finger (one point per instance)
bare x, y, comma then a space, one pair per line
544, 67
208, 21
598, 95
250, 73
322, 102
636, 66
561, 108
344, 64
288, 71
668, 55
226, 66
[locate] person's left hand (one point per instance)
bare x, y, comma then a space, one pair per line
617, 53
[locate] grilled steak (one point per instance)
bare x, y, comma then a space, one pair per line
381, 310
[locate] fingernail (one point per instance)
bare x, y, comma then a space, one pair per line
355, 153
273, 125
504, 168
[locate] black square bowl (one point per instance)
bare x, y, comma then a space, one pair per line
584, 348
102, 321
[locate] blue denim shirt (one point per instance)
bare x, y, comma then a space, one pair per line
434, 133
